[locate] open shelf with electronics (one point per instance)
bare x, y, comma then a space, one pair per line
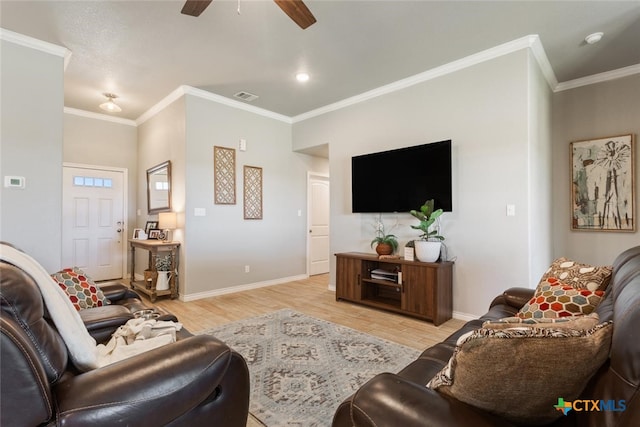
418, 289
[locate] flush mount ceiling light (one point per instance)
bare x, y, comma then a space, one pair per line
593, 38
302, 77
110, 106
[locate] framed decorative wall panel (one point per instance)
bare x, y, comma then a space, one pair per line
224, 175
252, 192
603, 184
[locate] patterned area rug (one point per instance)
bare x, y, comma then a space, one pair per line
302, 368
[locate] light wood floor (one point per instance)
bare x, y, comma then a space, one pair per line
310, 297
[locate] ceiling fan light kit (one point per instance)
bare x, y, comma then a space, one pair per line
110, 106
295, 9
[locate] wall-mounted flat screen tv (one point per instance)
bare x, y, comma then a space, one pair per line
402, 179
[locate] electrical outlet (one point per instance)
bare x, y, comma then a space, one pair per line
247, 269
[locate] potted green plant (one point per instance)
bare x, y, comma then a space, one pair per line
386, 244
428, 247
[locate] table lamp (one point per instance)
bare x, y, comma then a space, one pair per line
167, 221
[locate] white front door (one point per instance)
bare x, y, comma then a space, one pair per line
318, 224
93, 224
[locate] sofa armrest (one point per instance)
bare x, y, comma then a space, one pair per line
118, 291
388, 399
515, 297
152, 388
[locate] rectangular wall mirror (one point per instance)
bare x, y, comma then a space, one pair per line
159, 188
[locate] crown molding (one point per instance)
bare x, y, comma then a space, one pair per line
98, 116
451, 67
164, 103
598, 78
543, 62
22, 40
189, 90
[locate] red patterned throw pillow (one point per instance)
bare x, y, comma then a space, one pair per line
556, 299
82, 291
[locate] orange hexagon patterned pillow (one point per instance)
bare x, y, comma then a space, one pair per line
556, 299
82, 290
578, 275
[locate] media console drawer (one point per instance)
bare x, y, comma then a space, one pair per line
417, 289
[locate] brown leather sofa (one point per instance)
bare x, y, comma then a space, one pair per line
196, 381
403, 400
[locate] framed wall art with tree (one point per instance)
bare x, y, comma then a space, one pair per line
603, 184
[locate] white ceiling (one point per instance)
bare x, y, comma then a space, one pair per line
143, 50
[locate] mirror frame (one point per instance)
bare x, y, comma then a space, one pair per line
162, 166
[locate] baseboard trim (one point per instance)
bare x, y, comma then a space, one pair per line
240, 288
463, 316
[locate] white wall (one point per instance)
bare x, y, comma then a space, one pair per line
588, 112
32, 102
97, 142
486, 111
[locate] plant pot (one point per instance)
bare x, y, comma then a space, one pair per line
427, 251
163, 281
384, 249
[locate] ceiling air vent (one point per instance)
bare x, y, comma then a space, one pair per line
246, 96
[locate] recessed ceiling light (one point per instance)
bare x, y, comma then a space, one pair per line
594, 38
302, 77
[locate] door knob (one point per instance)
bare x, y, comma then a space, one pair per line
119, 230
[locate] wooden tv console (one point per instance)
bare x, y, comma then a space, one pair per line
423, 290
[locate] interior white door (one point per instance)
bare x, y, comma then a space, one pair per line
93, 230
318, 224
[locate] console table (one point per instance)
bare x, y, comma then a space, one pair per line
155, 246
417, 289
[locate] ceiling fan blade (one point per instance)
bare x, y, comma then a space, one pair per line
195, 7
297, 11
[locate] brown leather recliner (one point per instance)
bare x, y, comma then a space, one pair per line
196, 381
403, 399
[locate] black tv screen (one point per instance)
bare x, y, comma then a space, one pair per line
402, 179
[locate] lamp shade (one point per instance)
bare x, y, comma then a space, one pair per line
167, 221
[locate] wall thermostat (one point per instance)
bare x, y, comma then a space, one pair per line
14, 181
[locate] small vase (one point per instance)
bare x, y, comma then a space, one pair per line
163, 280
427, 251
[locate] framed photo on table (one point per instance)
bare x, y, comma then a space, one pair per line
150, 226
603, 184
156, 234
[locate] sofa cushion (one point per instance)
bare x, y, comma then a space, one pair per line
557, 299
82, 290
484, 359
578, 275
570, 322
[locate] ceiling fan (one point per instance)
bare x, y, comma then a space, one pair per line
295, 9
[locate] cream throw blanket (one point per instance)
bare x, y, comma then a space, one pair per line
136, 337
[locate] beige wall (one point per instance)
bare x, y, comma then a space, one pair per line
487, 111
220, 244
598, 110
162, 138
32, 100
